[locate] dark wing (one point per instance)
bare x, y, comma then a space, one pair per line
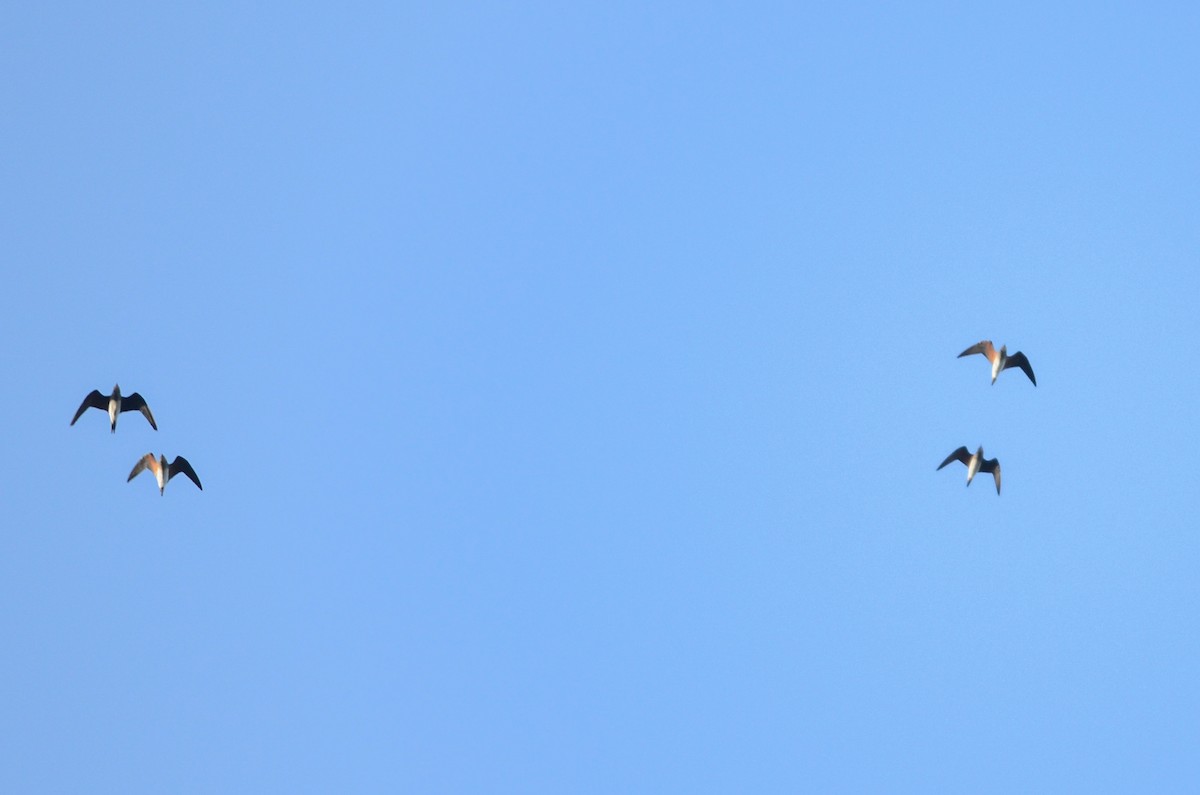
148, 461
1018, 360
961, 454
991, 465
180, 464
135, 403
983, 346
94, 400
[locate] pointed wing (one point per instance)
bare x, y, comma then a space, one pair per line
148, 461
984, 347
180, 464
94, 400
1018, 360
991, 465
961, 454
135, 402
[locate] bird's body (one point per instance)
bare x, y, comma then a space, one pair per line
114, 404
976, 463
1000, 359
163, 471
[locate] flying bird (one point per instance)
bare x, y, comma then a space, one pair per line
1000, 360
975, 463
114, 404
163, 471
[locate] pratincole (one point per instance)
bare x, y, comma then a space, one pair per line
1000, 359
114, 404
163, 471
975, 463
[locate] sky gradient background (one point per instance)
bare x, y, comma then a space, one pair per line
567, 383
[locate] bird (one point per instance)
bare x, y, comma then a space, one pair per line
975, 463
163, 471
1000, 360
114, 404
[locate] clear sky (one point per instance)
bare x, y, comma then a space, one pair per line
567, 382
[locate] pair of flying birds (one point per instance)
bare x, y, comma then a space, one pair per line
1000, 361
116, 403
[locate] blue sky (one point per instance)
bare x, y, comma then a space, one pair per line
567, 383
